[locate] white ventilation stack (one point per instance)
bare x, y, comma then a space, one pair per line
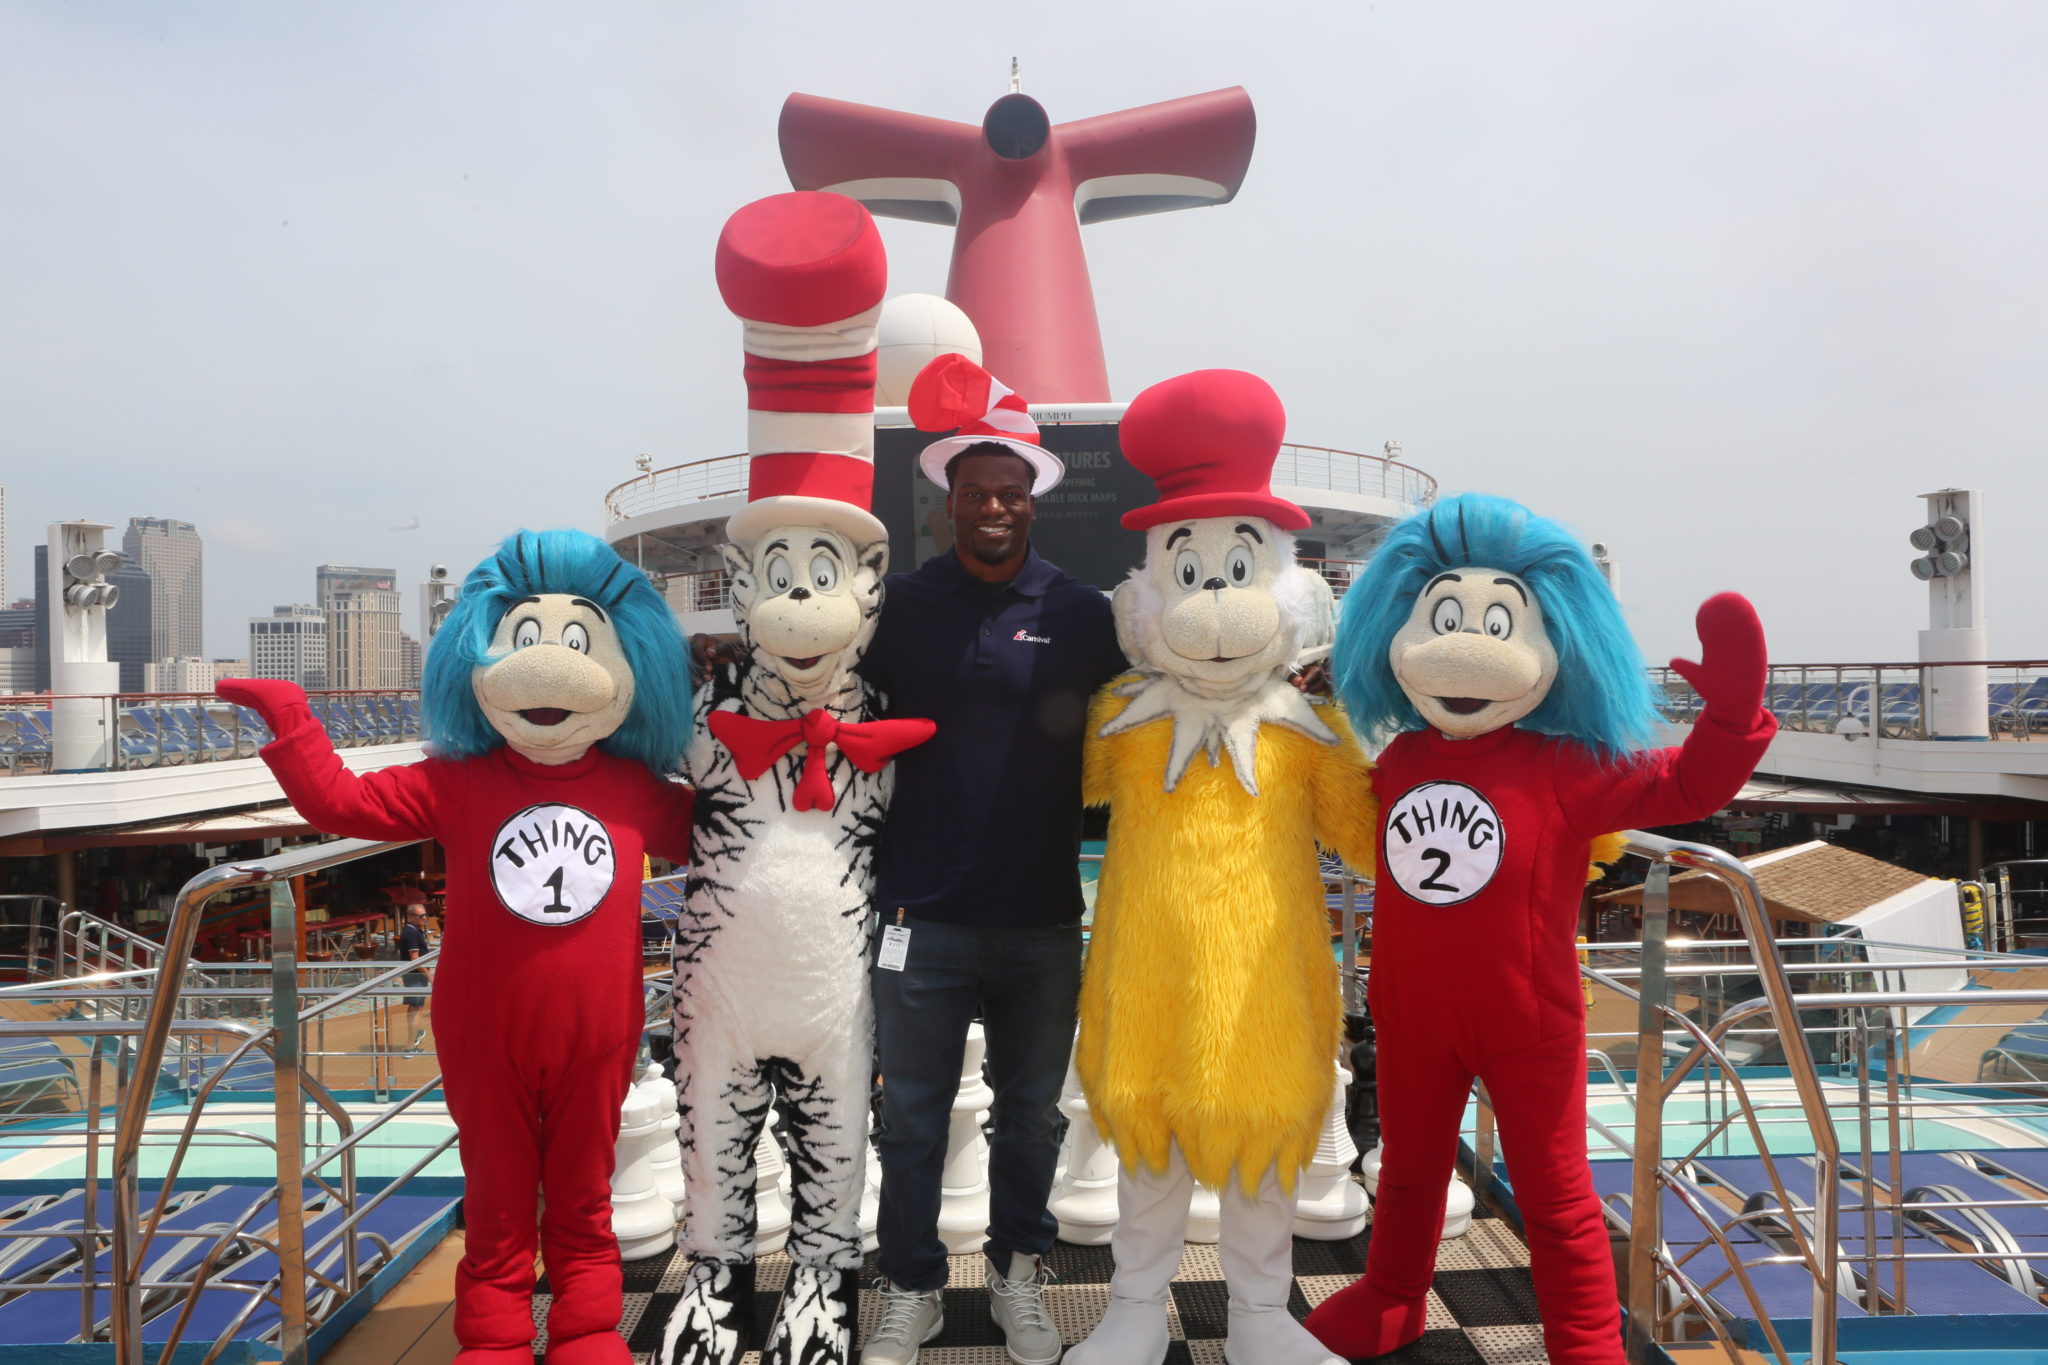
82, 731
1955, 703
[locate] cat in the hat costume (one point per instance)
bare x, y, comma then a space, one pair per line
1210, 1016
791, 762
556, 697
1484, 641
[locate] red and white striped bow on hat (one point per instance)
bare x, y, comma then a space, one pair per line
952, 391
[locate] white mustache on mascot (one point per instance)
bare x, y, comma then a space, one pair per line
557, 701
1482, 646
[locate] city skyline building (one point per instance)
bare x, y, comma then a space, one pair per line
173, 555
362, 610
3, 544
290, 643
178, 675
410, 657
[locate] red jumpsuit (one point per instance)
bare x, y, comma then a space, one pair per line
1482, 860
537, 1004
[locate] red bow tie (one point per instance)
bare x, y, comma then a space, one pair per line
756, 744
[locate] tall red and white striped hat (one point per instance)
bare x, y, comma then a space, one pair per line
952, 391
805, 272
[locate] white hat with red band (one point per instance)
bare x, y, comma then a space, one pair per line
805, 272
952, 391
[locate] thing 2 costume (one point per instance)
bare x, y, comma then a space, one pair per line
1473, 617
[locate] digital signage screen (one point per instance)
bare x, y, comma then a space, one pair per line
1077, 523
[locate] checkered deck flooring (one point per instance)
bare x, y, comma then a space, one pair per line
1482, 1310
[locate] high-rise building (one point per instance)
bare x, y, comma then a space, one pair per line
290, 643
3, 544
178, 675
20, 628
361, 606
171, 554
409, 658
130, 624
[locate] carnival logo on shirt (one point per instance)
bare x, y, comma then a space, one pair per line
1028, 638
552, 864
1442, 842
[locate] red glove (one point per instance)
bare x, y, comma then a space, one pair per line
1733, 664
282, 704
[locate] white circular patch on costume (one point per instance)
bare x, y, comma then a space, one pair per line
552, 864
1442, 842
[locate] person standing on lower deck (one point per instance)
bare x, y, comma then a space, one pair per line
976, 874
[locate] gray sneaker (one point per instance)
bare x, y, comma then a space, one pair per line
1017, 1303
909, 1320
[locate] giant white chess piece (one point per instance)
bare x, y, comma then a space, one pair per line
772, 1204
1457, 1199
1330, 1206
963, 1184
643, 1218
1084, 1191
666, 1160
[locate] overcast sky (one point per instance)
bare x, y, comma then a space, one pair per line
1725, 285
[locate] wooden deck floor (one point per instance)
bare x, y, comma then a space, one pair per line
415, 1323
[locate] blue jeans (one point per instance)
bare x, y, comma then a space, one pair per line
1025, 982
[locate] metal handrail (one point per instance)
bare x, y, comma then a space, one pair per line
1779, 1002
36, 903
179, 937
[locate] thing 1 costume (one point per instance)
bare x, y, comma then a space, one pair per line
554, 699
1473, 617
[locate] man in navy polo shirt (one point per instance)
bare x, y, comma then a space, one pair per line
976, 874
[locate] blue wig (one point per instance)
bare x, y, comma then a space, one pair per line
1602, 696
528, 564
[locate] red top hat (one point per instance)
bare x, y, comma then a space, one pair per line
806, 272
1208, 440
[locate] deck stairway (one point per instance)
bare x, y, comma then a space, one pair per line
224, 1162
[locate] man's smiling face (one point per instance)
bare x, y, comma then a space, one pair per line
990, 504
1474, 655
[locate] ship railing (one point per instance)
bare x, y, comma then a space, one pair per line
2015, 894
169, 729
29, 943
694, 481
284, 1038
87, 945
1350, 471
1886, 700
698, 590
1340, 574
1298, 466
1725, 1059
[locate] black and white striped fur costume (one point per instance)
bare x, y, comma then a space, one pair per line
772, 1001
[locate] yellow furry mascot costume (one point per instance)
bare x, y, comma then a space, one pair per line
1209, 1006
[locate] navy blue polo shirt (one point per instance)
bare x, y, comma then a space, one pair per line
985, 824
